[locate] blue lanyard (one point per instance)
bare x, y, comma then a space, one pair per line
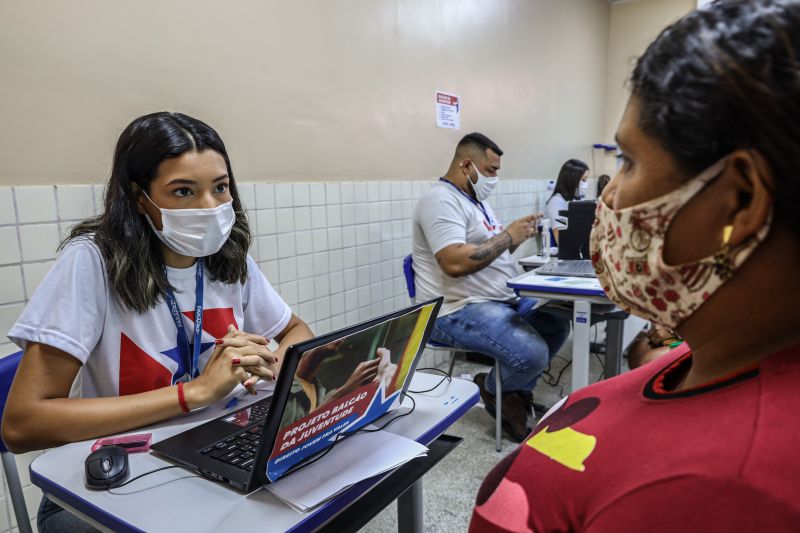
473, 200
191, 360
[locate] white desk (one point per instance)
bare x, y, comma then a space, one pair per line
583, 292
177, 500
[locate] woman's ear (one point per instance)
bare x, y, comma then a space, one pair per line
136, 192
750, 173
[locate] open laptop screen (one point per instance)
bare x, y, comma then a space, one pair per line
347, 383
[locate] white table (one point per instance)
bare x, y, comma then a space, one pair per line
583, 292
177, 500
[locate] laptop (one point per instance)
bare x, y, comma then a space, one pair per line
573, 243
332, 384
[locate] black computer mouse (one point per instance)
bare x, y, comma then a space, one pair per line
106, 468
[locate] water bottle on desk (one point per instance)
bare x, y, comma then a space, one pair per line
544, 233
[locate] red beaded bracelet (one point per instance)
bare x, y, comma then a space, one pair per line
182, 399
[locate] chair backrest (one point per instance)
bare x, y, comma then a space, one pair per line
408, 272
8, 367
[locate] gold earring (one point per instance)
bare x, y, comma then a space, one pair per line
723, 266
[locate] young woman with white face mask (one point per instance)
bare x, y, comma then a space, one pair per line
699, 232
119, 306
571, 178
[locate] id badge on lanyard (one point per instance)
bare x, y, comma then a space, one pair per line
488, 222
190, 357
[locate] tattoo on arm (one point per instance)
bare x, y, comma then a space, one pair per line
490, 250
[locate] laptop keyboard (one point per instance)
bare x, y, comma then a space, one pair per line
239, 450
568, 267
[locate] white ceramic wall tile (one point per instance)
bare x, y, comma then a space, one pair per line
333, 193
7, 211
11, 289
288, 292
335, 259
75, 202
7, 348
9, 245
319, 217
319, 239
39, 241
284, 220
265, 196
305, 267
283, 195
271, 271
286, 245
8, 316
305, 291
303, 243
302, 218
317, 194
373, 191
247, 194
300, 194
334, 238
34, 273
322, 286
268, 247
36, 204
266, 221
288, 269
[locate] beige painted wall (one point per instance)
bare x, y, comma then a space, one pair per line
311, 89
634, 25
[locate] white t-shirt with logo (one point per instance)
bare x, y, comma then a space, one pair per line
444, 216
125, 352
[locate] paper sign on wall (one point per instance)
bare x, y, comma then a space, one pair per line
448, 108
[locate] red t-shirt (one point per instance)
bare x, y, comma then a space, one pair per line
626, 455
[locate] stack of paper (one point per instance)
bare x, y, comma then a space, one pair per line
356, 458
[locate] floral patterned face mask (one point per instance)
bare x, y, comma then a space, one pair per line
627, 250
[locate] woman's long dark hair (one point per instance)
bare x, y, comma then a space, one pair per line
723, 78
569, 177
130, 248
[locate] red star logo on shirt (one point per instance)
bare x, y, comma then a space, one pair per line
215, 321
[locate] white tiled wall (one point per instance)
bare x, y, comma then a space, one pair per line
332, 250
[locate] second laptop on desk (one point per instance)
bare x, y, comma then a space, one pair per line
327, 386
573, 243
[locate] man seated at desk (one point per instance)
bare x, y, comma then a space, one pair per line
463, 252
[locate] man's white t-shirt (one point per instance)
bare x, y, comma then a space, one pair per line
444, 216
555, 204
125, 352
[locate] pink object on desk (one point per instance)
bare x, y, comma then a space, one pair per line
137, 443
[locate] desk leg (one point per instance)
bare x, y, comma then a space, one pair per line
581, 314
410, 518
613, 348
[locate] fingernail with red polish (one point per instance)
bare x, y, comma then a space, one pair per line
218, 341
236, 361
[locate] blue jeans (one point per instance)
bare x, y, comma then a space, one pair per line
52, 518
524, 340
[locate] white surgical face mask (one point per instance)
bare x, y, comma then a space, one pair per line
195, 232
583, 187
484, 186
